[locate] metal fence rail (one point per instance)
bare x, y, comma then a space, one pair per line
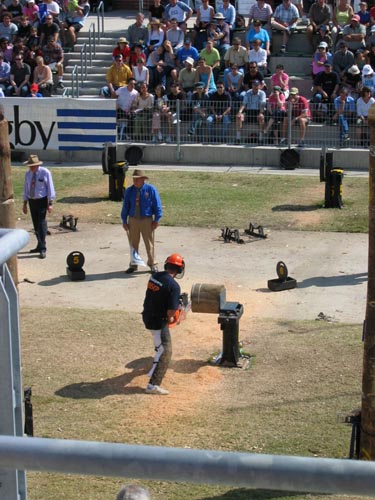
183, 124
12, 482
302, 474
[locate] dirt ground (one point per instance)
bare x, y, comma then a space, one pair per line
330, 269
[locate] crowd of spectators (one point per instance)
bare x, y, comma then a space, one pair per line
222, 78
32, 40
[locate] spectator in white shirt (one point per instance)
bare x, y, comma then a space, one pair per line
175, 36
364, 103
258, 55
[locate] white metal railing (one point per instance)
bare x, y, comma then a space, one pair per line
100, 19
12, 482
75, 84
83, 60
92, 42
186, 123
256, 471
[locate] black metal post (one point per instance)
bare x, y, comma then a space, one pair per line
29, 423
229, 318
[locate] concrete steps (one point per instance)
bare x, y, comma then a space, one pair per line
297, 61
100, 62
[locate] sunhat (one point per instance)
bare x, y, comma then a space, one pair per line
367, 70
354, 70
139, 174
32, 161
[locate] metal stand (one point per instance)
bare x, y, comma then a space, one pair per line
333, 179
229, 318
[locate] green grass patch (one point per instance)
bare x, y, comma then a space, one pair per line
87, 385
204, 199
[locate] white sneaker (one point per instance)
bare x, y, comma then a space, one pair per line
156, 389
160, 137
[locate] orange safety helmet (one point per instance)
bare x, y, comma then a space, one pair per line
176, 260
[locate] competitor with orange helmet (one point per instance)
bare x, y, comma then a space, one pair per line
161, 310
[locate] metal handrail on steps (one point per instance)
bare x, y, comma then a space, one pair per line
100, 19
84, 53
92, 42
75, 85
83, 58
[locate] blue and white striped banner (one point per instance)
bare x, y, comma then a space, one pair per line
60, 124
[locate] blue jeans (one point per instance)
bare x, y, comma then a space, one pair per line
24, 91
225, 125
105, 92
344, 126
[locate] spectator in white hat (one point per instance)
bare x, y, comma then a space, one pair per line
186, 77
368, 78
321, 56
353, 80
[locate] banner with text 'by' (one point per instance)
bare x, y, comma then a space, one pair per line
60, 124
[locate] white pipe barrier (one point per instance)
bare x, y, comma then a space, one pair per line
273, 472
12, 482
11, 241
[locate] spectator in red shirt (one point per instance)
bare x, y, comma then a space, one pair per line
301, 115
122, 48
137, 54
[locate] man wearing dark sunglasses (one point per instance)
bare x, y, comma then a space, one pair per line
48, 29
19, 78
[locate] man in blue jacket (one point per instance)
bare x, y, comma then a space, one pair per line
140, 214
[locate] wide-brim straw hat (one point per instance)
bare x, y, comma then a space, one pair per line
139, 174
32, 161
